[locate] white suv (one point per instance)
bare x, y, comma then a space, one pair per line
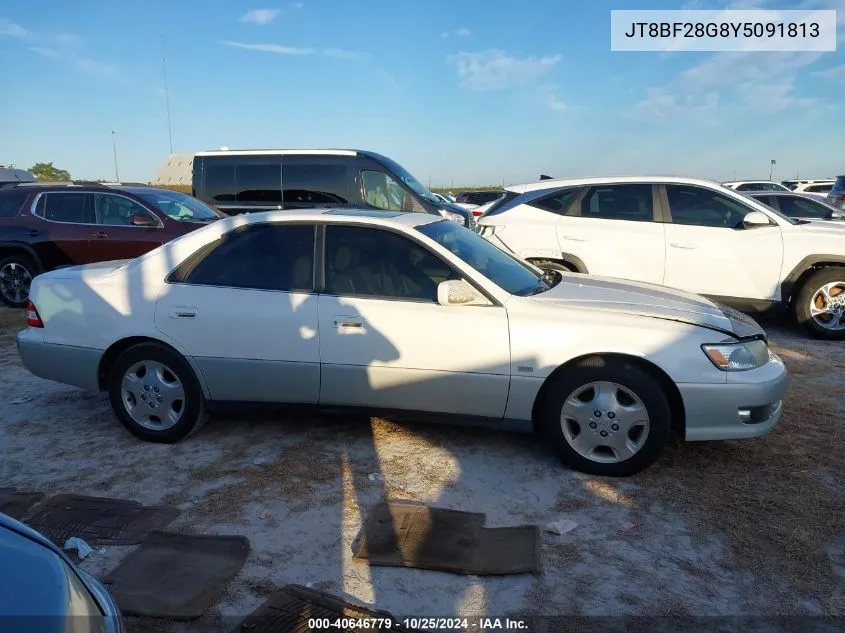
691, 234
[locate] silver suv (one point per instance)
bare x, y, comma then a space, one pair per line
836, 197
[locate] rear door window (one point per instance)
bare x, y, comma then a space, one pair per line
633, 202
316, 180
252, 180
60, 206
796, 207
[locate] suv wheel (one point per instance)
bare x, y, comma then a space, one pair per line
16, 273
606, 416
155, 394
820, 303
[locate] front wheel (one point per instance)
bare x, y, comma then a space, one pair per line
155, 394
606, 417
820, 304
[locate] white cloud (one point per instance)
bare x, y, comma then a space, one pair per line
835, 73
12, 29
333, 53
659, 105
261, 17
548, 96
50, 53
271, 48
96, 67
496, 70
461, 32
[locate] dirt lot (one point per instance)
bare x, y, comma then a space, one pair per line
746, 527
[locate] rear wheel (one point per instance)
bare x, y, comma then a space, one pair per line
606, 416
820, 304
16, 274
155, 394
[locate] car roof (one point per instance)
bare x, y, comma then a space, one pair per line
279, 152
575, 182
749, 182
339, 216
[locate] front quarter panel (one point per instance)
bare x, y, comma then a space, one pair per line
544, 338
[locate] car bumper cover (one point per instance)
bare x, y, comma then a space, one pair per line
67, 364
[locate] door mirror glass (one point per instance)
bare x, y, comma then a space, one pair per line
755, 219
143, 219
457, 292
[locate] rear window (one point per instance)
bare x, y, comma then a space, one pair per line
11, 203
553, 199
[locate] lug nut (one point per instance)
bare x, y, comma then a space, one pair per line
593, 425
603, 433
615, 427
155, 389
597, 414
611, 414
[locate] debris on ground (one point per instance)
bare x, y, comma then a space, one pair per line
561, 527
21, 400
258, 461
83, 550
628, 526
375, 477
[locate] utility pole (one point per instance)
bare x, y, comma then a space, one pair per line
771, 167
114, 151
166, 93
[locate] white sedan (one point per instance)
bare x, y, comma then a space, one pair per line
394, 313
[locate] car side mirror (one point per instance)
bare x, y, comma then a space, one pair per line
755, 219
837, 215
457, 292
143, 219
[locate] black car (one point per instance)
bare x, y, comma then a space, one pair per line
798, 206
242, 181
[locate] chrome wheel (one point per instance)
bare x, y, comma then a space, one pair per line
153, 396
827, 307
604, 422
15, 280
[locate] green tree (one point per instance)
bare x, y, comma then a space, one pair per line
48, 172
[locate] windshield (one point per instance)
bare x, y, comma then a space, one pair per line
504, 270
178, 206
415, 185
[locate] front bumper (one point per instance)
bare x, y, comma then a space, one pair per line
68, 364
750, 404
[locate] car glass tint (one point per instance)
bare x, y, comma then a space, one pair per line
557, 203
219, 180
63, 206
619, 202
11, 203
374, 262
314, 183
819, 189
262, 257
118, 211
248, 179
697, 206
383, 192
796, 207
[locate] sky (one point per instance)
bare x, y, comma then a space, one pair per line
465, 92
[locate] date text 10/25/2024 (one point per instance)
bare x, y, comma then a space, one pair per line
436, 624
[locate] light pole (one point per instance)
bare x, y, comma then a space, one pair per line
166, 93
772, 167
114, 151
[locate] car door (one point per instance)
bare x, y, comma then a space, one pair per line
614, 230
710, 252
244, 309
116, 236
385, 342
61, 228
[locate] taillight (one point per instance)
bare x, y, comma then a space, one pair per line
478, 214
842, 198
33, 319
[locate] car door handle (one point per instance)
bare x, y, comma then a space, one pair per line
33, 233
184, 313
355, 323
683, 245
574, 238
100, 234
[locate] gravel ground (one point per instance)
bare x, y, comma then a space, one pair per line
750, 527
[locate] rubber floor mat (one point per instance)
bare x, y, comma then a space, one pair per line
176, 576
98, 520
15, 504
403, 534
294, 608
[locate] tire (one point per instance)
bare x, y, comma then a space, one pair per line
618, 380
831, 280
169, 373
16, 274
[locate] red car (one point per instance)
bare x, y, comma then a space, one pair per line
43, 227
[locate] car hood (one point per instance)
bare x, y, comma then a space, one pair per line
824, 227
649, 300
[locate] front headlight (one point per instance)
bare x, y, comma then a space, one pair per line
454, 217
738, 356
